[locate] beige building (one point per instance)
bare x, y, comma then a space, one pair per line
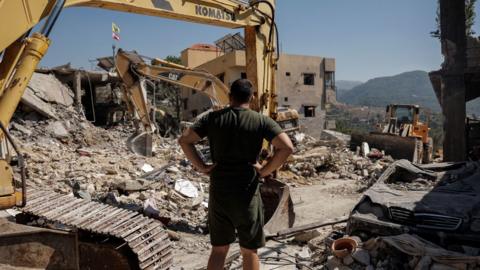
304, 83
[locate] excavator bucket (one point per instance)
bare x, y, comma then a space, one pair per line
278, 207
396, 146
140, 143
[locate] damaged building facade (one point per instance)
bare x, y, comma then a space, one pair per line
304, 83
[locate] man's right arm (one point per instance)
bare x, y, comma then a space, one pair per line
283, 148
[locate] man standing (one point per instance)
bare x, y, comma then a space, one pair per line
236, 135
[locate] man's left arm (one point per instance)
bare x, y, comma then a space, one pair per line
187, 141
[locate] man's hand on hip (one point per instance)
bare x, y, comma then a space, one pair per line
206, 168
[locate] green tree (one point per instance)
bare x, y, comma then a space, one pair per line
470, 15
174, 59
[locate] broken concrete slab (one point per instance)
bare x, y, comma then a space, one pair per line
48, 88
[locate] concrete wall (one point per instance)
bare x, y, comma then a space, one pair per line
192, 57
291, 90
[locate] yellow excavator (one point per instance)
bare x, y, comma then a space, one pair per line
95, 235
134, 73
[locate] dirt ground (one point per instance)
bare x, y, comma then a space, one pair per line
326, 199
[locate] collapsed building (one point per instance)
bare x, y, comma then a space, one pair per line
303, 83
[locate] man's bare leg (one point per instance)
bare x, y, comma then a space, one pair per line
250, 259
217, 257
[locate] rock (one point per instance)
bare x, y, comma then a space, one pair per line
22, 129
58, 130
173, 169
333, 263
132, 185
361, 256
348, 260
424, 263
111, 170
83, 194
331, 175
306, 236
174, 236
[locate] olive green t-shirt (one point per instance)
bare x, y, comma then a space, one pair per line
236, 134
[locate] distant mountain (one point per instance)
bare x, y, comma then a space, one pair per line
412, 87
344, 86
347, 85
405, 88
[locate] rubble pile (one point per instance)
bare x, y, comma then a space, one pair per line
331, 159
72, 156
405, 251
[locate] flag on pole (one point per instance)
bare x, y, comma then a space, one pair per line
115, 36
115, 31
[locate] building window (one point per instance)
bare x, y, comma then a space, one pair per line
243, 75
285, 99
330, 79
308, 78
221, 77
287, 74
185, 103
194, 113
309, 111
193, 92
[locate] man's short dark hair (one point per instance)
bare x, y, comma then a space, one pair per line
241, 90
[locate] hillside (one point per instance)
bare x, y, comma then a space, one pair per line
344, 86
408, 87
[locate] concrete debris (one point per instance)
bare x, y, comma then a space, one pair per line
186, 188
147, 168
316, 160
44, 90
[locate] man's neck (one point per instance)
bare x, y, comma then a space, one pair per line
240, 105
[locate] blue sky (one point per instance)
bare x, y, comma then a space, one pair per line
368, 38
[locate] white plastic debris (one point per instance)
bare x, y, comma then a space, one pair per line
365, 149
299, 137
147, 167
186, 188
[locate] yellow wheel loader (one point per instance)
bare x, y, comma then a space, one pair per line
403, 135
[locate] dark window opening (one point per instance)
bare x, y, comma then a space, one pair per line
193, 92
287, 74
308, 79
221, 77
194, 113
309, 111
285, 99
185, 103
243, 75
330, 79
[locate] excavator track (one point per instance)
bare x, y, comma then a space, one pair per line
145, 237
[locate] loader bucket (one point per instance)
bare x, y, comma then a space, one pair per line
398, 147
140, 143
278, 207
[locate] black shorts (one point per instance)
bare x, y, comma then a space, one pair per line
236, 211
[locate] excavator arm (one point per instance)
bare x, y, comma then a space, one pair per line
134, 73
21, 51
